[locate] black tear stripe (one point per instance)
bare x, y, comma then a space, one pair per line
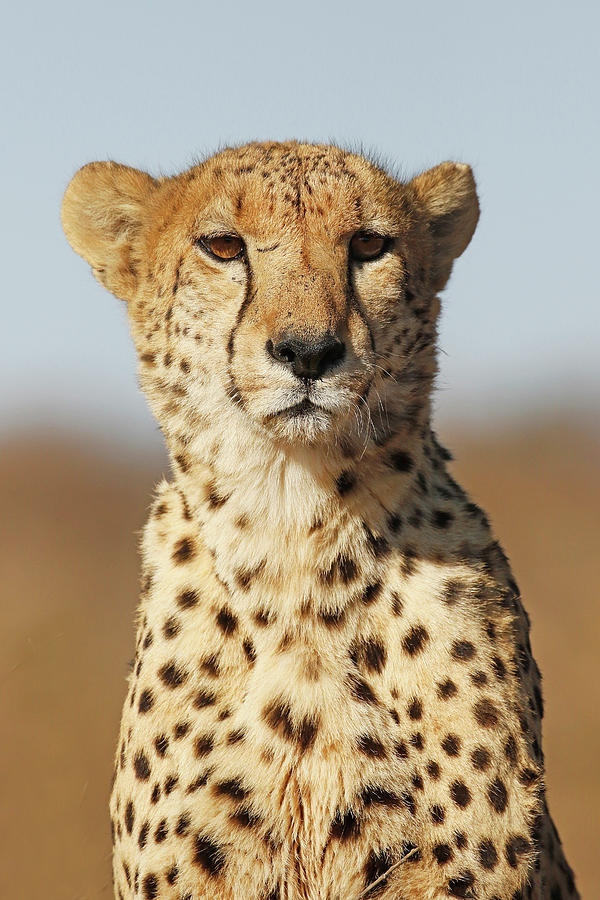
353, 303
232, 388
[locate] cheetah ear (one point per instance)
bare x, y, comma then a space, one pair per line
448, 196
103, 213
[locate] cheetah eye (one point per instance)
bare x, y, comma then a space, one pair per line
366, 246
223, 246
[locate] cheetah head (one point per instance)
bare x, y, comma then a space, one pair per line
289, 286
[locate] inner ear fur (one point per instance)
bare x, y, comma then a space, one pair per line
103, 213
447, 195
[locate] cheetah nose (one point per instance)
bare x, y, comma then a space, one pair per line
308, 359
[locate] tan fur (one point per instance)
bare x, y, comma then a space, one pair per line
333, 695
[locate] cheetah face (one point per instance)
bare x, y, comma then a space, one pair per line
289, 284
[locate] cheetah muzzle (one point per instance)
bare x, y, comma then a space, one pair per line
333, 694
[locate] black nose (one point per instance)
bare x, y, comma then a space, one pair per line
310, 358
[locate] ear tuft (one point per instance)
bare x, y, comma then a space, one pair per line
448, 197
103, 213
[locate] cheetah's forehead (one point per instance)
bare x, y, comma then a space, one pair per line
263, 188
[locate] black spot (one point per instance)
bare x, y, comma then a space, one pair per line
161, 831
156, 792
172, 675
374, 655
197, 783
394, 523
443, 854
499, 668
451, 744
407, 562
141, 766
183, 824
417, 741
170, 784
460, 793
161, 744
376, 866
479, 678
401, 750
246, 817
146, 701
188, 598
226, 621
235, 736
397, 604
433, 770
516, 846
486, 713
409, 802
345, 482
528, 777
204, 698
361, 690
210, 665
332, 617
463, 650
453, 591
415, 640
277, 715
446, 689
461, 886
415, 709
480, 757
233, 788
442, 518
203, 745
129, 816
150, 887
370, 746
497, 795
213, 498
410, 852
184, 550
245, 577
438, 814
344, 567
374, 794
345, 825
510, 750
401, 461
371, 592
379, 545
264, 617
171, 628
208, 855
249, 650
488, 856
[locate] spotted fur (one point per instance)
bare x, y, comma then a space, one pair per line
333, 695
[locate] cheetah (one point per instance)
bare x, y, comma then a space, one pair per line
333, 695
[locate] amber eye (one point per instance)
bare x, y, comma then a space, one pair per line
224, 246
365, 245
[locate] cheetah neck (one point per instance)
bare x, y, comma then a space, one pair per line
288, 513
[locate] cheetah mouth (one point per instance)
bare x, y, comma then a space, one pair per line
299, 410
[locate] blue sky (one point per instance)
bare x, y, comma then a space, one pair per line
511, 88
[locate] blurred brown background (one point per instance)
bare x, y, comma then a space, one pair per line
68, 555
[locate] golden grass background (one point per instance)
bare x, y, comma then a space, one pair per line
68, 557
